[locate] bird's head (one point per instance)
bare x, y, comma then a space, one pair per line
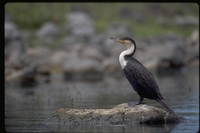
125, 41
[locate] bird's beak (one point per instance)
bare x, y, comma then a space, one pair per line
118, 40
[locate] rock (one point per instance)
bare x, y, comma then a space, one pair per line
79, 24
192, 49
69, 40
48, 32
29, 69
120, 114
134, 15
24, 77
186, 21
15, 55
117, 30
111, 64
8, 16
165, 51
28, 77
23, 66
13, 40
11, 32
111, 67
58, 57
82, 69
92, 52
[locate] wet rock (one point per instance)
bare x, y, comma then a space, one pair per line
48, 32
120, 114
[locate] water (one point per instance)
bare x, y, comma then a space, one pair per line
26, 109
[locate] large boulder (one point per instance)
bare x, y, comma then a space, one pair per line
120, 114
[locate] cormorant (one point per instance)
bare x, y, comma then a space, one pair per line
142, 81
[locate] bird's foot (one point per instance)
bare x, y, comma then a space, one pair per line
132, 104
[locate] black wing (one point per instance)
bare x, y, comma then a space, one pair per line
141, 79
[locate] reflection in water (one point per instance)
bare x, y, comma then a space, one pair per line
116, 128
26, 109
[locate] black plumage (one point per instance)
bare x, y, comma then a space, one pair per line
142, 81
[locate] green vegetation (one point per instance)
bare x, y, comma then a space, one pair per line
33, 15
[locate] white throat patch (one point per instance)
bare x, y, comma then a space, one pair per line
122, 60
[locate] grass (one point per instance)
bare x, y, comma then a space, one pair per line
33, 15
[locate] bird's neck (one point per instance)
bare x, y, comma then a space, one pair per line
131, 48
127, 53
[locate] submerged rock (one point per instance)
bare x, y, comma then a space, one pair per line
120, 114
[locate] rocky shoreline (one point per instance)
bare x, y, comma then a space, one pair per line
85, 55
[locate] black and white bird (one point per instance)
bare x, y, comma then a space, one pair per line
142, 81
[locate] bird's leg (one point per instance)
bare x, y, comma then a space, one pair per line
132, 104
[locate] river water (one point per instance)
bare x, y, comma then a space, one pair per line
27, 109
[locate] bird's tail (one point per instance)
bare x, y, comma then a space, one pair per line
165, 105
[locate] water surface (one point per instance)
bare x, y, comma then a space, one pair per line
27, 109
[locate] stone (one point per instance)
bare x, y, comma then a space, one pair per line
82, 69
15, 52
92, 52
116, 30
48, 32
11, 32
187, 20
165, 51
192, 49
120, 114
79, 24
24, 77
134, 15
